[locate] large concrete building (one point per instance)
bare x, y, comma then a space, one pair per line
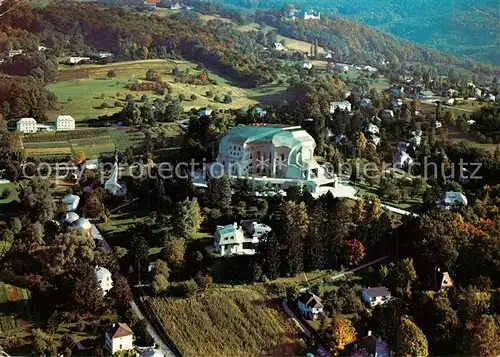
26, 125
65, 122
29, 125
278, 154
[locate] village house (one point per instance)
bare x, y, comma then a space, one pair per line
281, 155
341, 67
77, 60
310, 305
119, 338
488, 98
371, 346
305, 65
344, 105
278, 46
451, 93
445, 281
104, 279
26, 125
372, 138
65, 122
295, 14
401, 160
82, 224
372, 129
239, 240
451, 200
13, 53
70, 218
375, 296
388, 113
205, 112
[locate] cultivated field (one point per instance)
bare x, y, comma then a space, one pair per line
225, 322
86, 92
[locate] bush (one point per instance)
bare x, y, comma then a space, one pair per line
193, 97
186, 288
69, 100
168, 98
111, 74
209, 94
4, 194
176, 71
129, 97
217, 98
103, 105
228, 99
118, 104
182, 97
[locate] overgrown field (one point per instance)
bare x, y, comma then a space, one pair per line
16, 298
225, 322
86, 92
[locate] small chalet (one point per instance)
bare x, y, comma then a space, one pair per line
379, 295
119, 338
446, 281
450, 200
309, 305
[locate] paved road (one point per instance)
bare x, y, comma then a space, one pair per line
291, 314
163, 348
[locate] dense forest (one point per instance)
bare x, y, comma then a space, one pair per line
465, 28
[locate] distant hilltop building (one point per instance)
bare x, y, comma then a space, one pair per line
77, 60
29, 125
280, 155
294, 14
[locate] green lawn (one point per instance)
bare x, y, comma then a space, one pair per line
14, 192
82, 90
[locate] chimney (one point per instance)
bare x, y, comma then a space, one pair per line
235, 225
369, 333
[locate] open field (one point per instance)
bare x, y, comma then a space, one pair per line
86, 92
225, 322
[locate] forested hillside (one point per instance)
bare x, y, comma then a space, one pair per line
465, 27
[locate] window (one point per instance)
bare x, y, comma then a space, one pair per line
121, 346
248, 245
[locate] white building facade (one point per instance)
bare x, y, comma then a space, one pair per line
104, 279
280, 155
344, 105
26, 125
65, 122
119, 338
239, 240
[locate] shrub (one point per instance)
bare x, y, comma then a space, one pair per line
217, 98
69, 99
228, 99
118, 104
209, 94
129, 97
182, 97
103, 105
111, 74
186, 288
193, 97
4, 194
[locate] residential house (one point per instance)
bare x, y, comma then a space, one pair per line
103, 54
451, 93
65, 122
426, 94
489, 98
278, 46
26, 125
389, 113
344, 105
306, 65
370, 69
415, 138
257, 111
376, 120
401, 160
280, 155
13, 53
471, 122
372, 129
438, 124
365, 103
375, 296
374, 139
77, 60
450, 101
477, 92
176, 6
310, 305
341, 67
70, 202
450, 200
205, 112
104, 279
239, 240
371, 346
119, 338
329, 56
445, 280
295, 14
150, 4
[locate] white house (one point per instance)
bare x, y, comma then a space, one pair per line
389, 113
372, 129
26, 125
13, 53
401, 159
205, 112
104, 278
278, 46
328, 56
438, 124
372, 138
489, 98
70, 202
376, 296
119, 338
451, 92
70, 217
370, 69
341, 67
477, 92
82, 224
306, 65
450, 200
471, 122
65, 122
76, 60
371, 346
309, 305
365, 103
104, 54
344, 105
280, 155
239, 240
450, 101
176, 6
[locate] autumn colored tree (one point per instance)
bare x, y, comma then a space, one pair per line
410, 341
483, 336
354, 251
360, 143
339, 334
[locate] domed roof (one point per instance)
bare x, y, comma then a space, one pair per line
71, 217
102, 273
70, 199
82, 223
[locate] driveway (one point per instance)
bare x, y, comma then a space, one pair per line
162, 348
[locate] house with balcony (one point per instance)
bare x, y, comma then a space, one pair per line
379, 295
234, 239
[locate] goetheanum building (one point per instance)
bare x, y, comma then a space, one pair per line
278, 154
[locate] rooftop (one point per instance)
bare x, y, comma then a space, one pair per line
377, 291
120, 330
310, 300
